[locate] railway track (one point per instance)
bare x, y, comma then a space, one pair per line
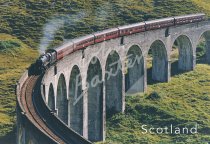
42, 118
30, 111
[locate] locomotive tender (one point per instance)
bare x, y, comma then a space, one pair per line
53, 55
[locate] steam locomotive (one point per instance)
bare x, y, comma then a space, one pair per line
53, 55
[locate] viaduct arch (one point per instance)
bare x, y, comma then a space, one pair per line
61, 100
206, 36
76, 100
134, 76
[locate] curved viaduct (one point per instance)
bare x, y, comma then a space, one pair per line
80, 90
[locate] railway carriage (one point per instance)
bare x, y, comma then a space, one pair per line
179, 20
131, 29
106, 35
83, 42
161, 23
64, 50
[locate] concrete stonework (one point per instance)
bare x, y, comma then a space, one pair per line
110, 94
27, 133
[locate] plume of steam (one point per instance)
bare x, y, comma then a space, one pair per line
103, 13
49, 31
54, 25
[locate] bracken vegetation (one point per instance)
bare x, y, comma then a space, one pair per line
26, 18
15, 57
23, 23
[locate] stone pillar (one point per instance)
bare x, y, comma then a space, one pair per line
123, 93
104, 114
208, 51
69, 108
145, 73
194, 61
169, 70
85, 113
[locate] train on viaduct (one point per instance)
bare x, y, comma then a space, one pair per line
65, 95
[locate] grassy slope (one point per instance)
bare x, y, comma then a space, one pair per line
203, 4
183, 101
25, 20
12, 65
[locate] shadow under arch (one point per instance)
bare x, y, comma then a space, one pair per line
61, 99
158, 59
51, 98
113, 84
95, 100
134, 77
76, 100
185, 56
203, 48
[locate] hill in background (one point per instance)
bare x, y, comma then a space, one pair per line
24, 23
26, 19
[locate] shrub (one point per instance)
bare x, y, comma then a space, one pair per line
153, 96
4, 45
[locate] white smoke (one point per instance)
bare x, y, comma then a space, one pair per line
102, 14
49, 32
54, 25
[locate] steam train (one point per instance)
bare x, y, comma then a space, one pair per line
53, 55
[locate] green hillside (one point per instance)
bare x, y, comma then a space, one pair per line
183, 102
27, 18
24, 24
15, 57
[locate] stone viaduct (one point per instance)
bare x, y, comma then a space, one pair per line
85, 86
